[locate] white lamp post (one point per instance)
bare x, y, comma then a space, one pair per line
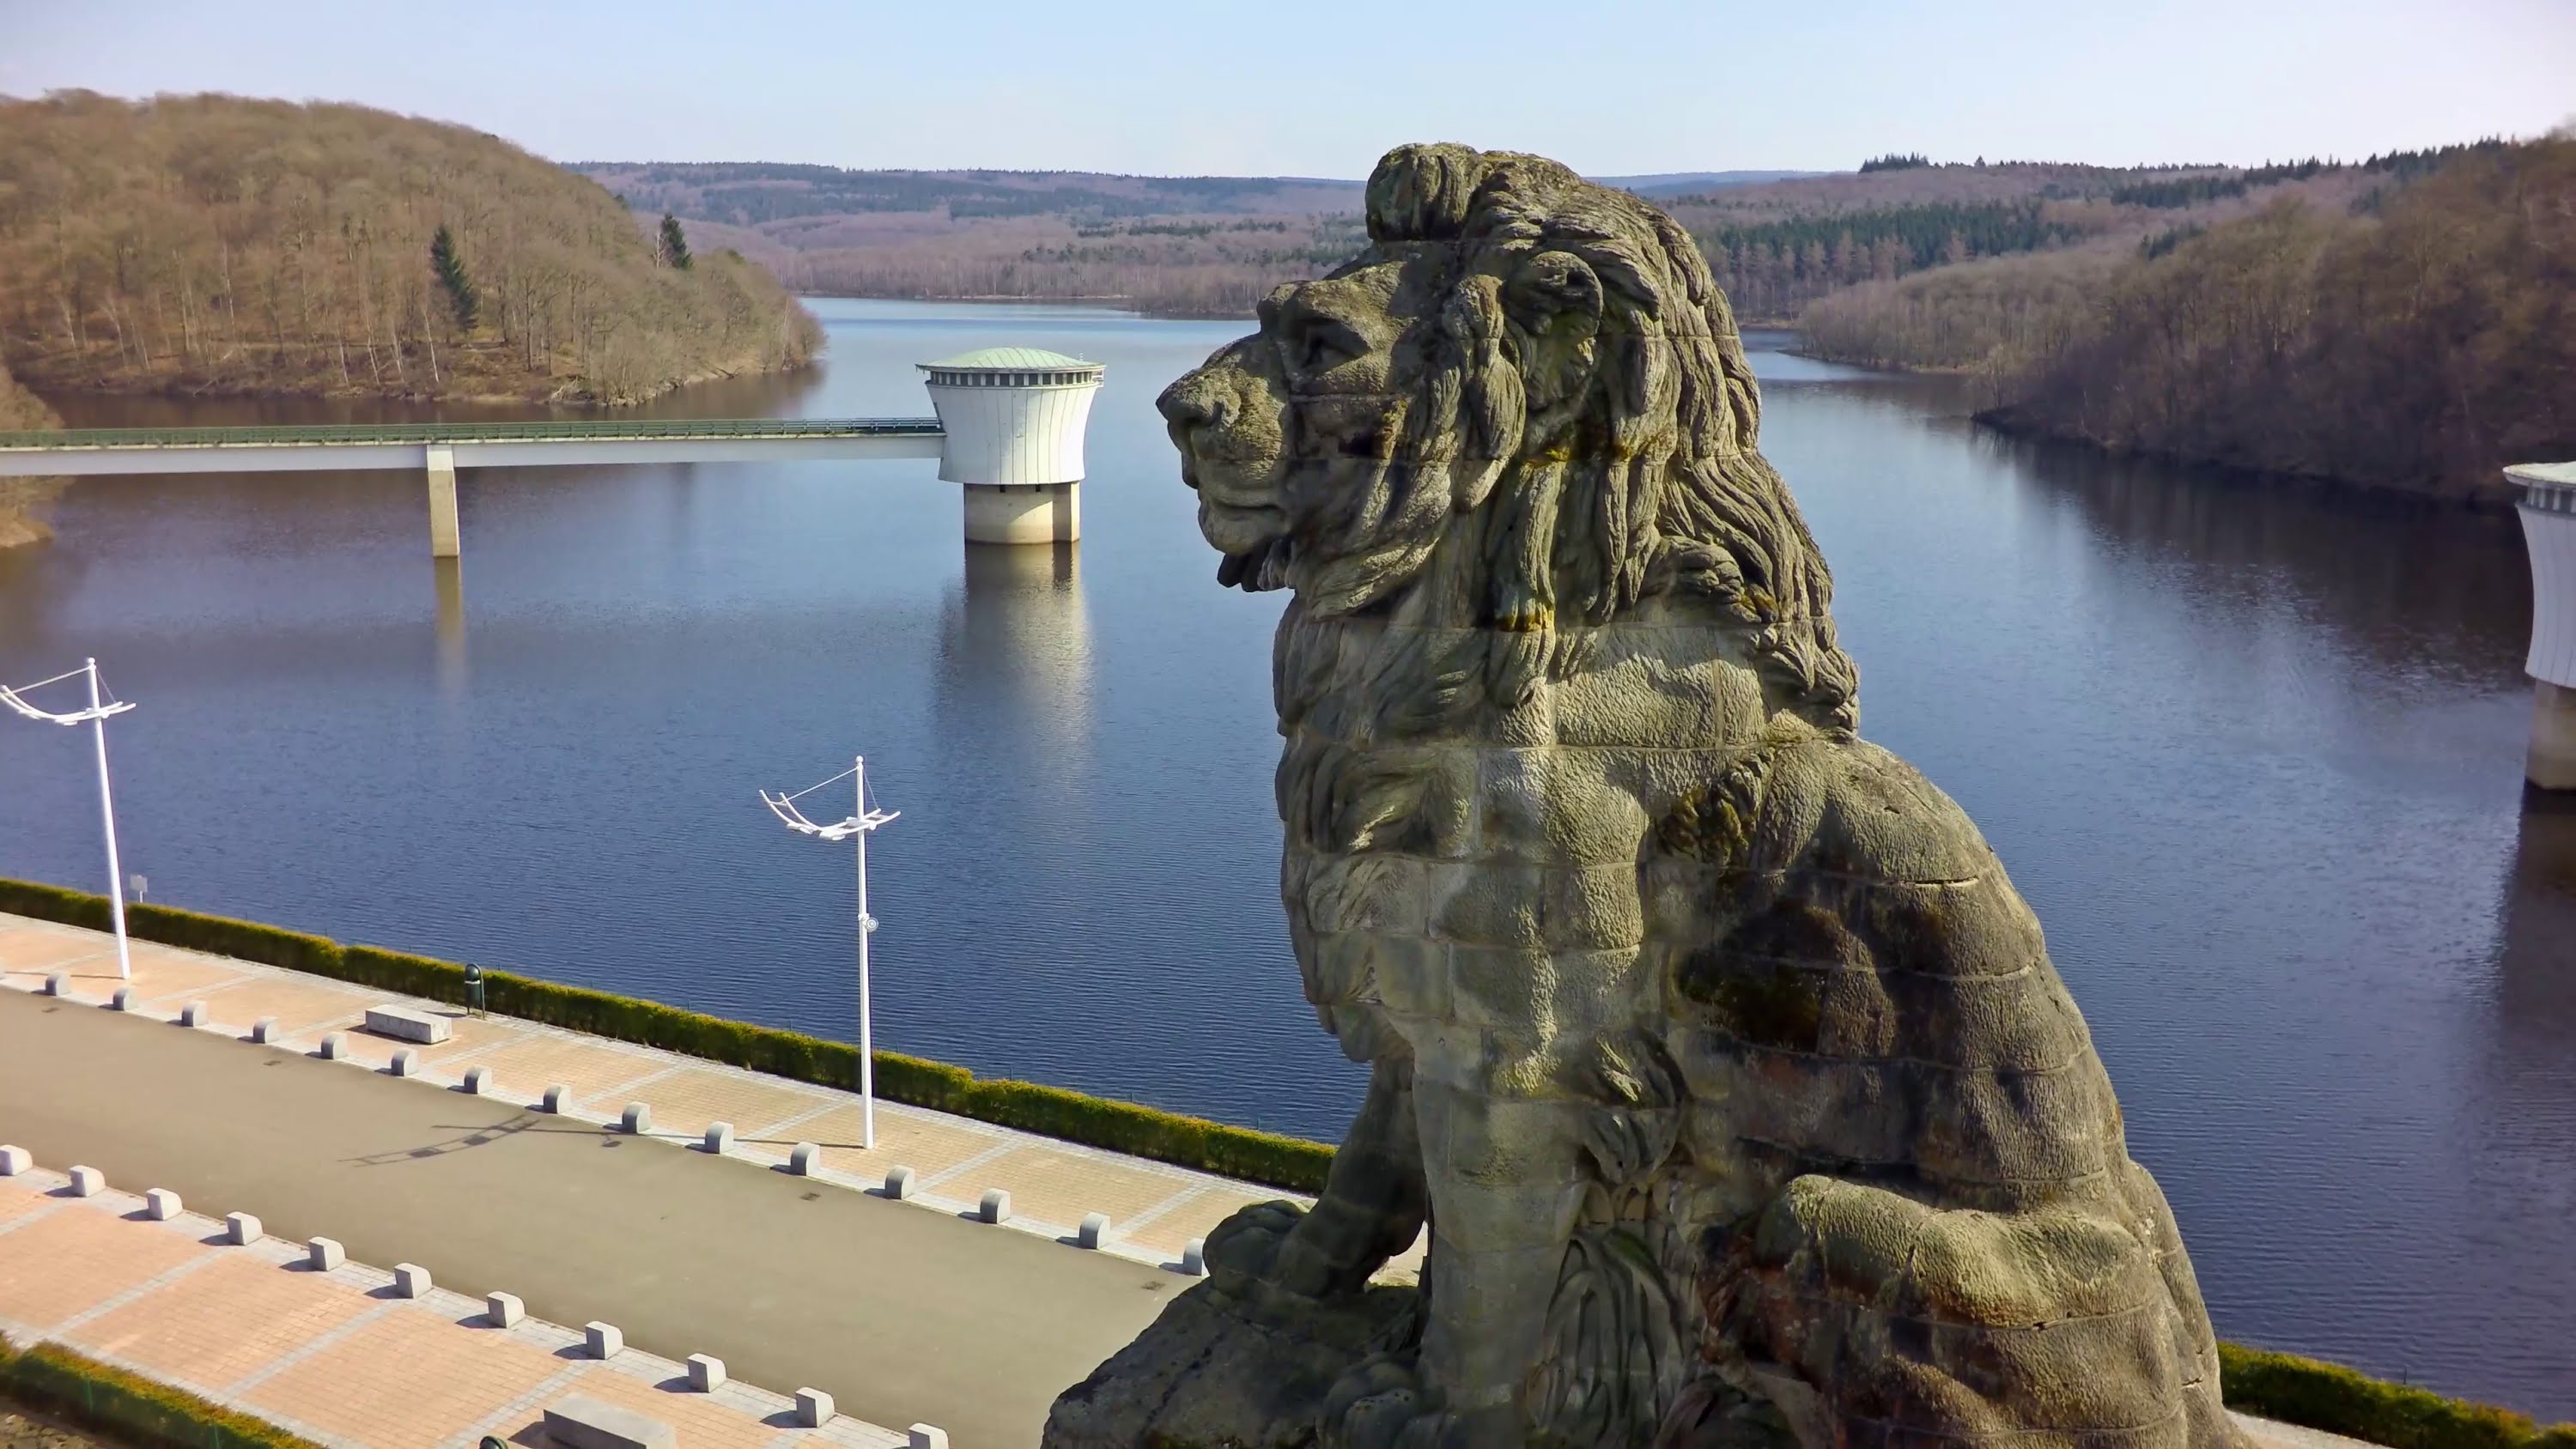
854, 828
96, 717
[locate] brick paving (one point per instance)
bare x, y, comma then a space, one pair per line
334, 1356
1154, 1209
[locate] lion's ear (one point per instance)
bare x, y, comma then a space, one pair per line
1554, 302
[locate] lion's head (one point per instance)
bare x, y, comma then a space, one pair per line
1524, 408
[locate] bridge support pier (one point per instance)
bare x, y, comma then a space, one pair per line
444, 539
1023, 512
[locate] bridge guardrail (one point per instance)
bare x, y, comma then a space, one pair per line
471, 432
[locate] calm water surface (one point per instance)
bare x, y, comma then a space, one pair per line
2254, 757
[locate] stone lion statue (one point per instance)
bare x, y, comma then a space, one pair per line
1727, 1068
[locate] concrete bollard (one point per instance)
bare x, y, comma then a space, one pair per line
503, 1310
1194, 1258
925, 1436
1094, 1227
898, 1183
706, 1373
263, 1032
335, 1046
638, 1119
58, 984
411, 1280
555, 1097
996, 1206
406, 1063
604, 1340
813, 1408
324, 1254
15, 1160
803, 1158
478, 1081
193, 1014
161, 1204
719, 1138
88, 1182
241, 1229
123, 1000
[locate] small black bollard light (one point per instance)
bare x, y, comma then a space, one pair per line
473, 988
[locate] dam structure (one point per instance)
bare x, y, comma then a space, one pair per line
1010, 427
2548, 508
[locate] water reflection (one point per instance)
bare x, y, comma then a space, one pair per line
448, 581
1015, 665
2409, 584
2535, 997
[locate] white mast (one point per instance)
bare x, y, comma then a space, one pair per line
854, 828
96, 717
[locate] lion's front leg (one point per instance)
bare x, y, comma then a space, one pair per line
1370, 1210
1504, 1194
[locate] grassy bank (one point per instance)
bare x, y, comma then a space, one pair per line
2272, 1385
128, 1408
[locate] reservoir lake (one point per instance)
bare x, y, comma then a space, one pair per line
2253, 753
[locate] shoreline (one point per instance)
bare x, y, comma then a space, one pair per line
2484, 500
2493, 501
180, 389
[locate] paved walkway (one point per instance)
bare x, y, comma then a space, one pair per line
338, 1356
1154, 1209
905, 1311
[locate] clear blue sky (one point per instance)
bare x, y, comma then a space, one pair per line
1320, 87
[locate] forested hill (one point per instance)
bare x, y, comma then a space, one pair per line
2413, 328
1197, 245
1214, 245
216, 244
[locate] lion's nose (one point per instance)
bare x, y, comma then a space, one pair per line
1190, 404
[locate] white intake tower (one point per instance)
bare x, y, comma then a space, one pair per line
2548, 508
1015, 418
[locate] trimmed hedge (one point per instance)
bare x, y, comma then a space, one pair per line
2274, 1385
134, 1409
1194, 1142
2339, 1400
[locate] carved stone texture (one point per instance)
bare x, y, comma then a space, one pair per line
1729, 1067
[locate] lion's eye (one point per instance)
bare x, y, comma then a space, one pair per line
1316, 343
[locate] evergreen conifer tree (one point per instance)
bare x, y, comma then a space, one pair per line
675, 243
451, 277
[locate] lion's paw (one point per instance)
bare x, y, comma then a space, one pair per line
1243, 1250
1382, 1403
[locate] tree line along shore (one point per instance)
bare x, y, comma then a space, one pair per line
2412, 338
216, 245
212, 244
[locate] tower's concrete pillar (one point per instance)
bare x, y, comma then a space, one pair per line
1015, 418
444, 539
2552, 765
1024, 513
2548, 509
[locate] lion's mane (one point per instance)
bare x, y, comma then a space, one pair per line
1664, 491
